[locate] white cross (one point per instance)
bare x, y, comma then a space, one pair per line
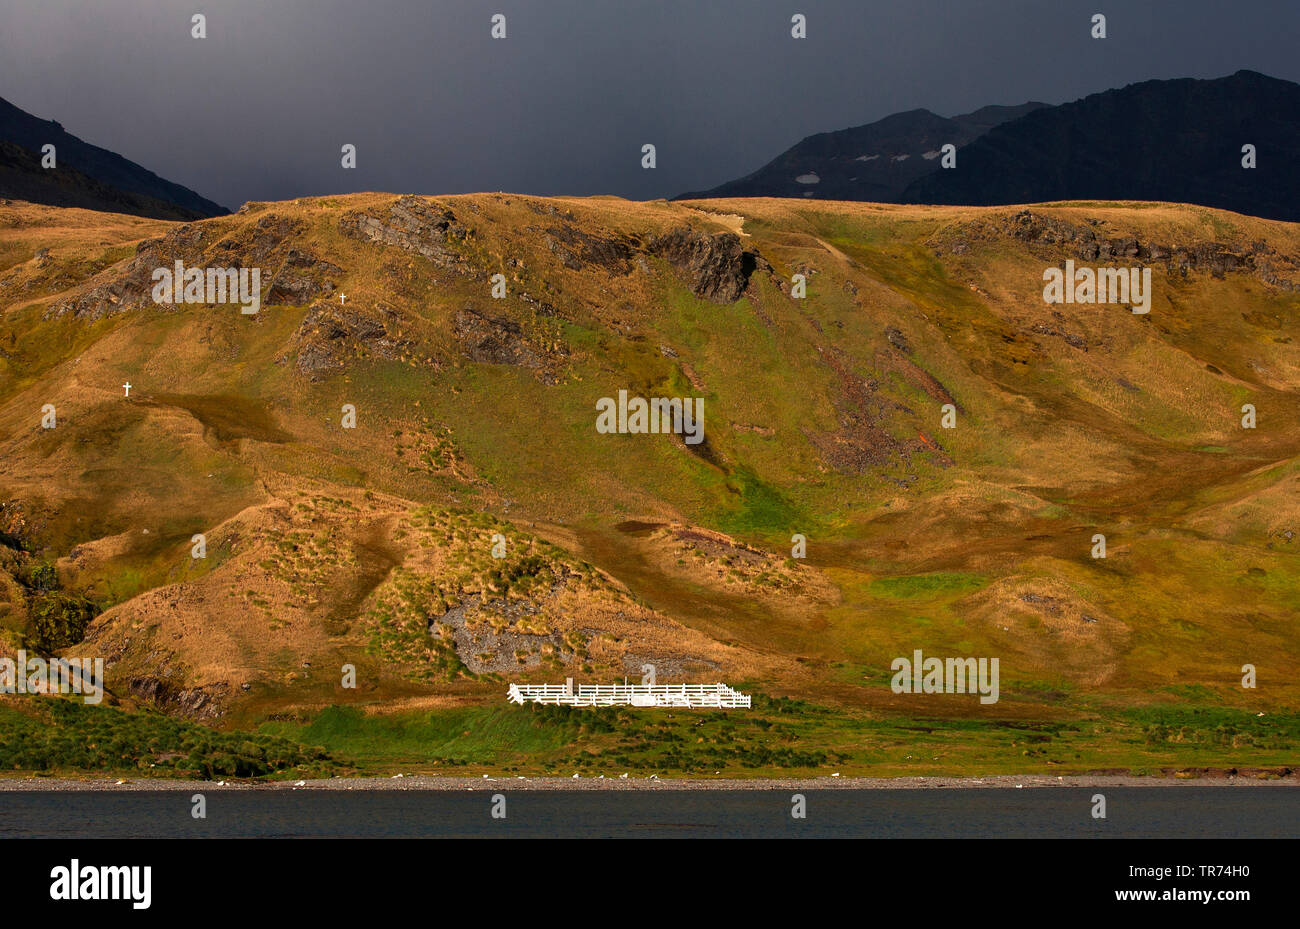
343, 298
127, 385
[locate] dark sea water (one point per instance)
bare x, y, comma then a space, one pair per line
1132, 812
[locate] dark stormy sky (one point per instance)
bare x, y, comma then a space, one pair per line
259, 109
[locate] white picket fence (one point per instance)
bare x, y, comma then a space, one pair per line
674, 695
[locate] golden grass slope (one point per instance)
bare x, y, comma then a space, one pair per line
475, 416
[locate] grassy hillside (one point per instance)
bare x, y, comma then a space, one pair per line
373, 546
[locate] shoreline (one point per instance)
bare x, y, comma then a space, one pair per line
440, 783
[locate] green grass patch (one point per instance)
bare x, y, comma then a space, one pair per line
915, 586
54, 735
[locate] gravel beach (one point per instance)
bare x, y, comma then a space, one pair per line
432, 782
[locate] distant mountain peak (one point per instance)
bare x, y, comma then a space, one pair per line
875, 161
1176, 140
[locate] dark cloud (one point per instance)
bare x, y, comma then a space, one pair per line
260, 108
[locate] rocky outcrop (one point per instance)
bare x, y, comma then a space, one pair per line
260, 246
1087, 242
717, 266
129, 288
485, 647
301, 279
494, 340
414, 225
297, 279
331, 335
500, 340
207, 702
578, 250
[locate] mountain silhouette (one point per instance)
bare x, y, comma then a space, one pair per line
873, 162
1179, 141
85, 175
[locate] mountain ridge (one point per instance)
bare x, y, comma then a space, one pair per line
86, 176
840, 160
1174, 141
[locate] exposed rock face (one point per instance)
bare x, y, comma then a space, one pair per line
485, 648
301, 280
331, 335
297, 279
577, 249
1086, 243
494, 340
499, 340
412, 224
264, 243
206, 702
1214, 257
717, 265
131, 287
